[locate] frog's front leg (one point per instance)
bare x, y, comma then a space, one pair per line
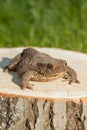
13, 64
29, 75
70, 76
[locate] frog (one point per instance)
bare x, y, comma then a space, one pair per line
33, 65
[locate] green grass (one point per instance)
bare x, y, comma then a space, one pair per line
51, 23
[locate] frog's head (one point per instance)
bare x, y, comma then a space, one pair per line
57, 67
54, 68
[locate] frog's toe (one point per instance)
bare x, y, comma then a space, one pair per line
70, 82
29, 86
73, 81
77, 81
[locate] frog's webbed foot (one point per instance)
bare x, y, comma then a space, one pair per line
26, 79
73, 81
77, 81
70, 76
70, 79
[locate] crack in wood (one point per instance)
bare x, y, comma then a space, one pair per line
27, 125
51, 115
35, 111
44, 104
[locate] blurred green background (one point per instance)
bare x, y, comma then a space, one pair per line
44, 23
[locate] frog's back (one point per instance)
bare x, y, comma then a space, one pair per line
30, 60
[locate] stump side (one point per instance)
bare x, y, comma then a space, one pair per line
32, 114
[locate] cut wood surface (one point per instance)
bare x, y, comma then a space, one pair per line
53, 105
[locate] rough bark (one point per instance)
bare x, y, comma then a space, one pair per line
74, 113
17, 113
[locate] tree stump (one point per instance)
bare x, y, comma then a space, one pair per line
53, 105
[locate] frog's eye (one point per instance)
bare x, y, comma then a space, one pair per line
51, 66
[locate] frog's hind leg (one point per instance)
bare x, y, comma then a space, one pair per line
13, 64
